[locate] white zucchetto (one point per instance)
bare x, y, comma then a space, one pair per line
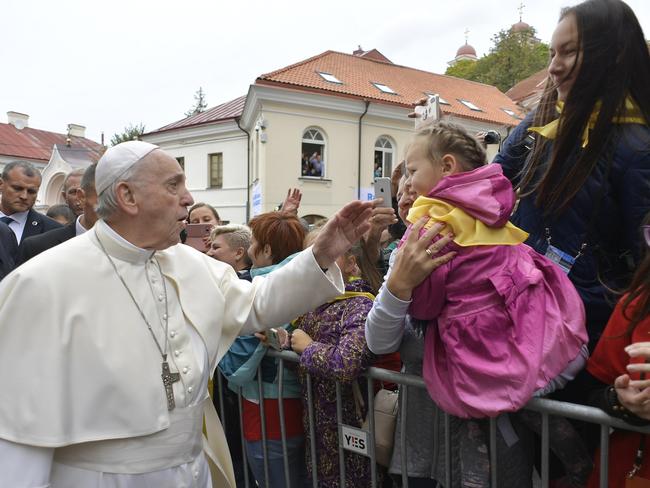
117, 159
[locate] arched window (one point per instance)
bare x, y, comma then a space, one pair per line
312, 160
383, 157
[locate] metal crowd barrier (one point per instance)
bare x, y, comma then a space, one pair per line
544, 406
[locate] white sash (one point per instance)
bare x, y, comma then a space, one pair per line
181, 443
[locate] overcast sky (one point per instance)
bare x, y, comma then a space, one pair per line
108, 64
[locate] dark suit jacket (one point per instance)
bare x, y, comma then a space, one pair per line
37, 223
34, 245
8, 247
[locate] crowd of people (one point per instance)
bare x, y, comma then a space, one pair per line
497, 283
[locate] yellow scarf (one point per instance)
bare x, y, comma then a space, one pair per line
633, 115
467, 230
350, 294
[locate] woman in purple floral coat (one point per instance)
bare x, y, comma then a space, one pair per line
332, 346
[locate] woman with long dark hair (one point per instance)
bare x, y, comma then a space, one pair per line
581, 160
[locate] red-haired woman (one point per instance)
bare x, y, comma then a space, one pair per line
277, 237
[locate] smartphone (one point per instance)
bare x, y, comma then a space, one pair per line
276, 338
196, 234
383, 190
428, 113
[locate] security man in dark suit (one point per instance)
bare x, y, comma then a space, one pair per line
19, 186
8, 247
87, 197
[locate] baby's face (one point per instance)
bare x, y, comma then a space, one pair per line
423, 174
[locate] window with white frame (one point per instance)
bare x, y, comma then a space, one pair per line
384, 149
329, 77
470, 105
216, 170
384, 88
312, 161
442, 100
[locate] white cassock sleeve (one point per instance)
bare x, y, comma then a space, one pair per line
23, 466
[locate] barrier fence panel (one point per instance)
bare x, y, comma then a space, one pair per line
357, 441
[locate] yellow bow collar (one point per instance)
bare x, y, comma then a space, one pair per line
632, 115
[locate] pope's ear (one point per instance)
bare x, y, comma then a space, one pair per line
125, 197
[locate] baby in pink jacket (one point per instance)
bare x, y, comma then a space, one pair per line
504, 323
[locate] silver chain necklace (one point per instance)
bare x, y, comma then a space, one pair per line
168, 378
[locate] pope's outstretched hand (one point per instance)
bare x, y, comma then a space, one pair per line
342, 231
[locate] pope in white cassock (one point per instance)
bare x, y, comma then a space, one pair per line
107, 340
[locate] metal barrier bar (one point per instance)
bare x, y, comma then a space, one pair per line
244, 456
371, 416
604, 456
260, 390
283, 425
544, 406
447, 450
545, 453
402, 435
312, 433
339, 421
493, 452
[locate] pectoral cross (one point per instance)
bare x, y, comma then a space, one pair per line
168, 379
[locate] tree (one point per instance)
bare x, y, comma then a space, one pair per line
514, 57
130, 133
462, 69
200, 104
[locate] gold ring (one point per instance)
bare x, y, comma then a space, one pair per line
429, 252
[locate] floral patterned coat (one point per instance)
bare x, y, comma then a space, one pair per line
339, 352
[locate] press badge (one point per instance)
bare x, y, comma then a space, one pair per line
559, 257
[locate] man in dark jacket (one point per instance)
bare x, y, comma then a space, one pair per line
19, 186
7, 250
87, 198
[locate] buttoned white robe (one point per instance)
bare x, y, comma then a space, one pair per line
79, 364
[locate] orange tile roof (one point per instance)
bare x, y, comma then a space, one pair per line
357, 75
35, 144
225, 111
527, 87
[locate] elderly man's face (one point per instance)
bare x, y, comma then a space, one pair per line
162, 200
19, 191
70, 194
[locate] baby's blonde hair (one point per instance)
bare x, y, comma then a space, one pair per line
448, 138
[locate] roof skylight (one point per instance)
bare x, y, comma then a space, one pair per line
329, 77
385, 88
469, 105
442, 100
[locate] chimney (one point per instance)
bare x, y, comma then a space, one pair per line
18, 120
358, 52
76, 130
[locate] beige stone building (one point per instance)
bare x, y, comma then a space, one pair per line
328, 125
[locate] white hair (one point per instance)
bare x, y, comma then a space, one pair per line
107, 201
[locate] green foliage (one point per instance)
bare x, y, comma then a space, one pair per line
462, 69
200, 104
514, 57
130, 133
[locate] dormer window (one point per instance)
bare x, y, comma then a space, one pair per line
442, 100
469, 105
329, 77
384, 88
